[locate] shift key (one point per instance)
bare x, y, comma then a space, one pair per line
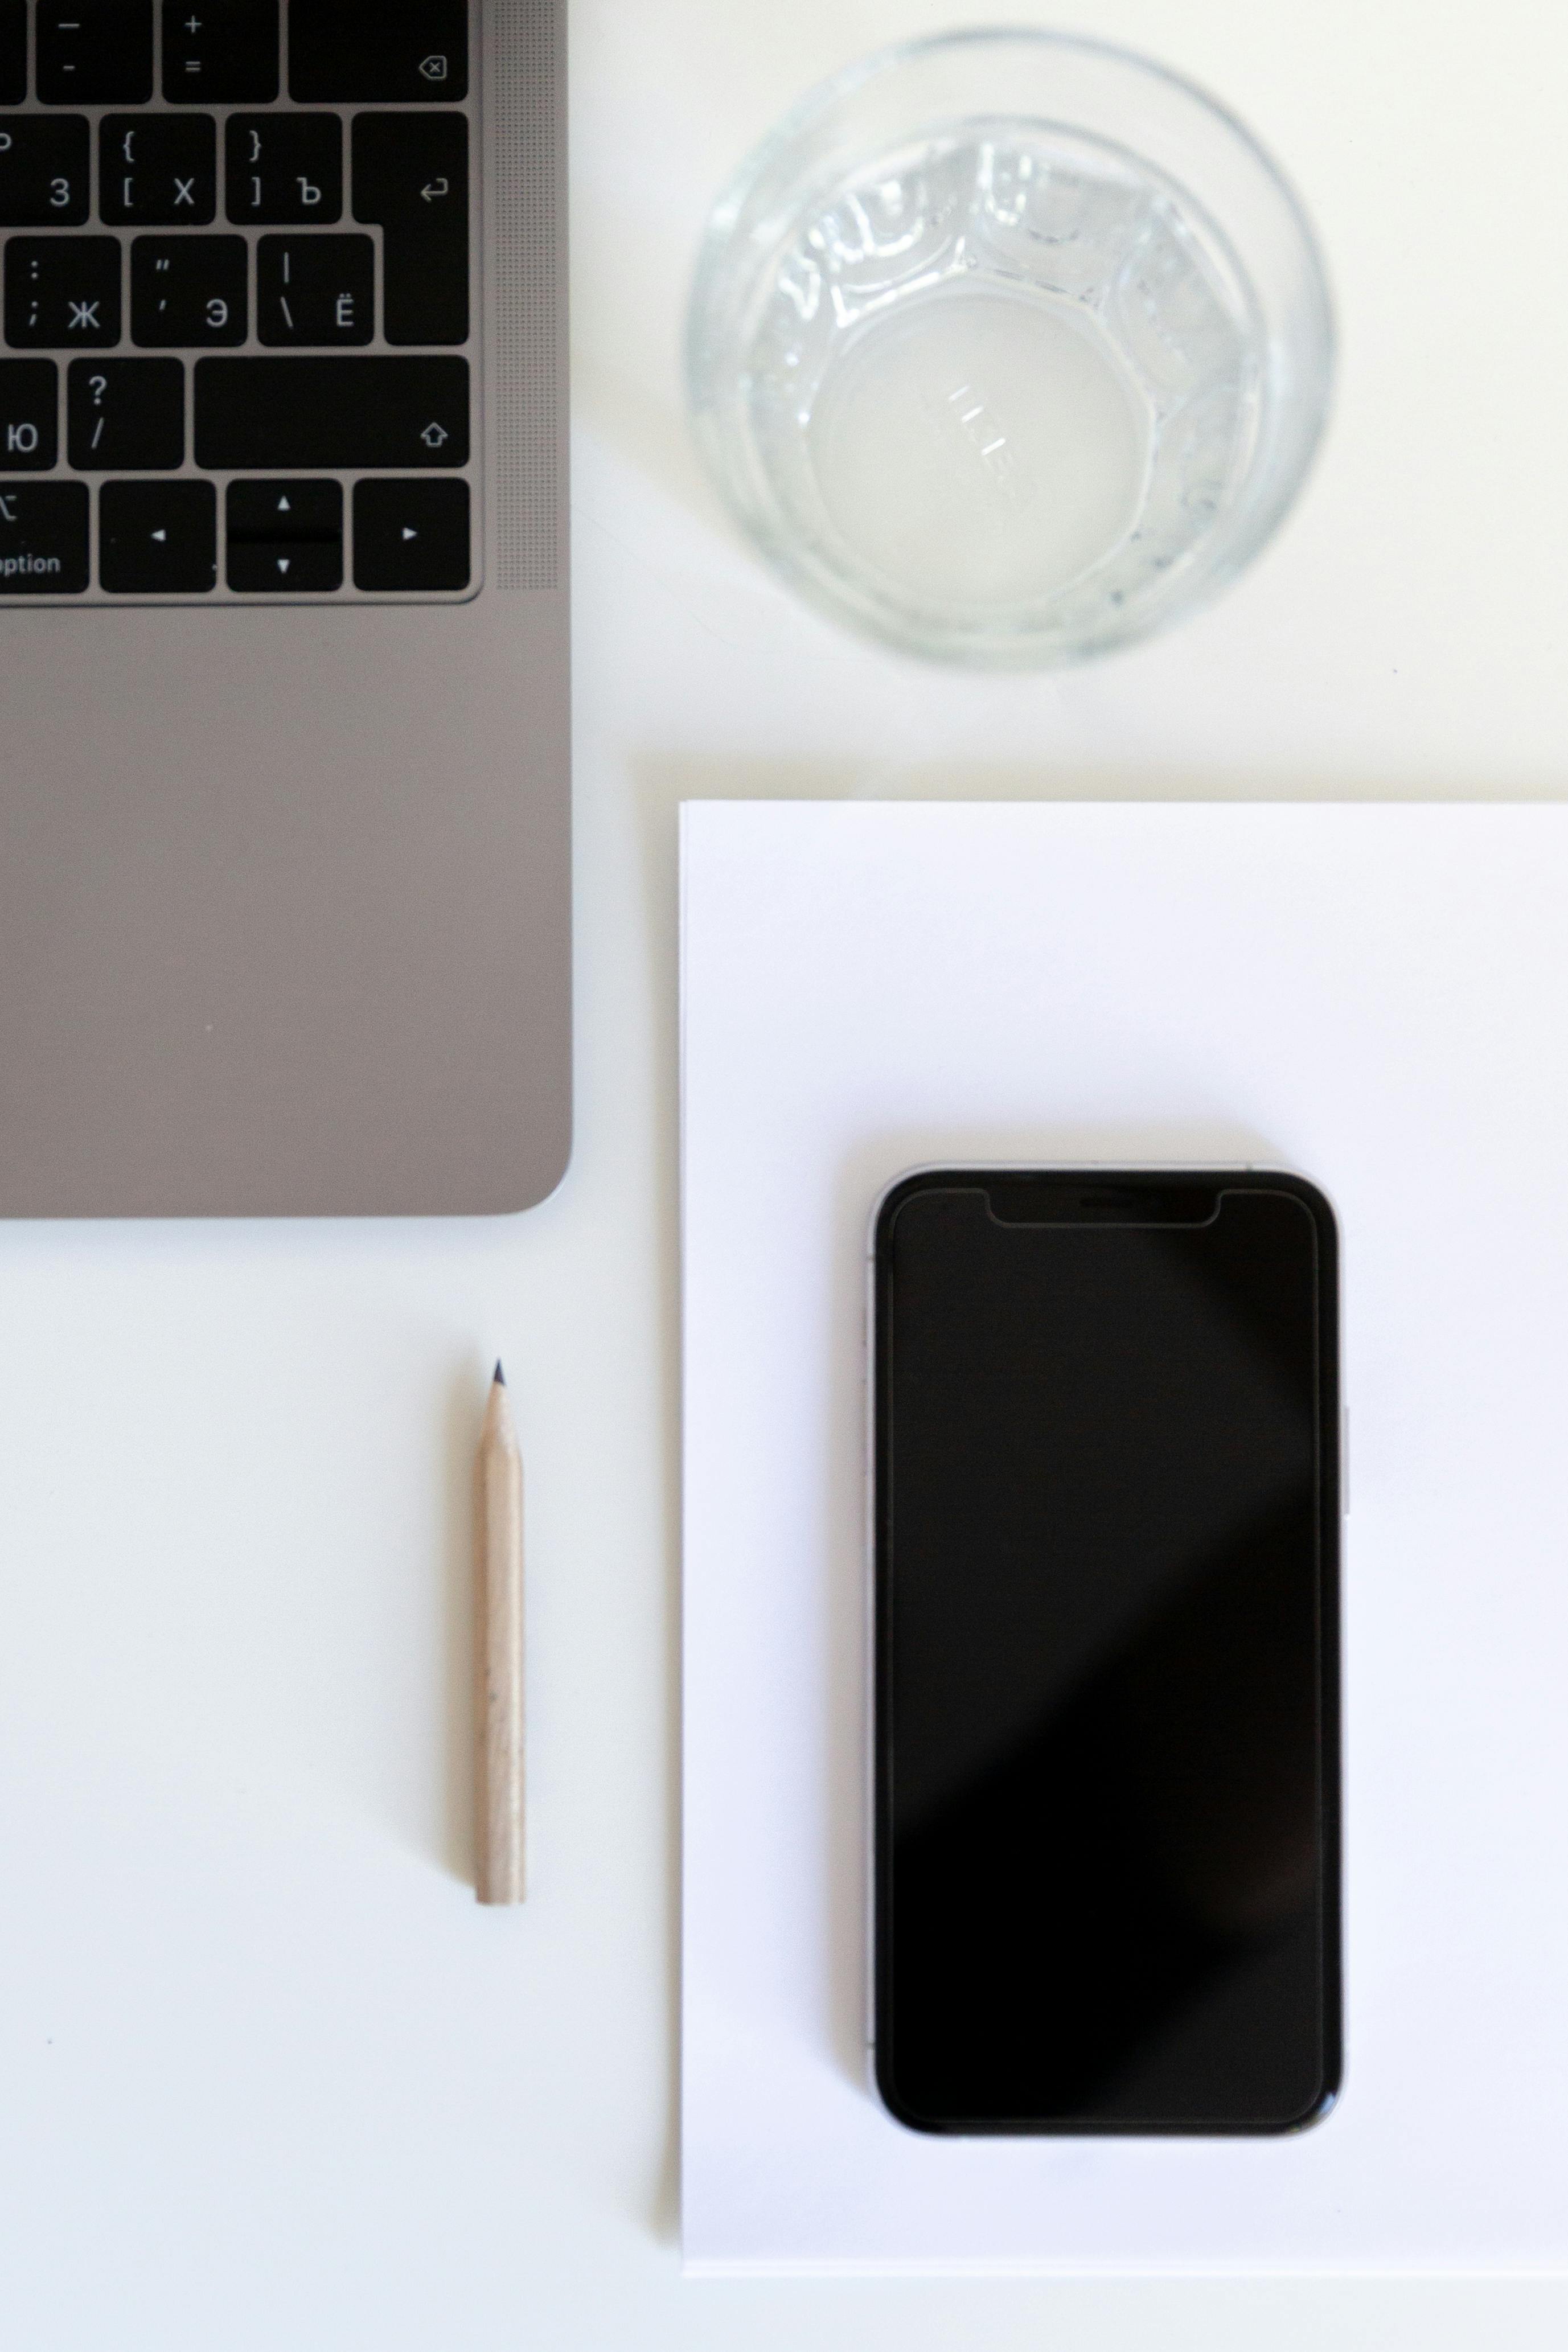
257, 416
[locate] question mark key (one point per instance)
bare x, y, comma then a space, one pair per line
126, 417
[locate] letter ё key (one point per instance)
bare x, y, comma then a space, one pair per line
62, 292
45, 161
315, 289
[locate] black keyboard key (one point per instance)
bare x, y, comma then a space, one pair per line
257, 415
43, 539
189, 290
410, 177
220, 52
13, 52
284, 538
126, 417
305, 567
157, 539
315, 289
286, 510
62, 292
45, 162
95, 52
377, 52
286, 170
411, 536
158, 168
30, 415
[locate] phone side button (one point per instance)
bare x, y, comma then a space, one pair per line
1345, 1466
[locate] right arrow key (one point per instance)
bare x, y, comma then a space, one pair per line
412, 538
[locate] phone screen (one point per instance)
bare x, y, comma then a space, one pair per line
1107, 1476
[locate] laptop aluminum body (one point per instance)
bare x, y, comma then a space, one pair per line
285, 884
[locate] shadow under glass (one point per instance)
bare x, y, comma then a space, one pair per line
1107, 1641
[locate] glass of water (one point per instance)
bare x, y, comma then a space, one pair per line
1009, 348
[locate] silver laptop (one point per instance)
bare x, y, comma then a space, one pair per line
284, 787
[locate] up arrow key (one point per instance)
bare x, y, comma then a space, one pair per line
435, 437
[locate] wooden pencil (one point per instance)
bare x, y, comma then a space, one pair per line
498, 1652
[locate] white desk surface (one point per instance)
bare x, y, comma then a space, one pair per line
266, 2075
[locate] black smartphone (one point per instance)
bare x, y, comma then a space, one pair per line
1106, 1526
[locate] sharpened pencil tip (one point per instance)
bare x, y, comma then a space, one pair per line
501, 1376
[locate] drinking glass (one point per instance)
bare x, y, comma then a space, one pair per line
1008, 347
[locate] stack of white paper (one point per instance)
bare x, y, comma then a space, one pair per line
1375, 996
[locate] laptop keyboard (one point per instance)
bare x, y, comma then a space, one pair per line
236, 293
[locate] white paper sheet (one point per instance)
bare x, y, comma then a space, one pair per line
1375, 996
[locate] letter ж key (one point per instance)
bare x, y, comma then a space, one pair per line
254, 416
62, 292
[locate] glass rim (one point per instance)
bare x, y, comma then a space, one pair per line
823, 96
